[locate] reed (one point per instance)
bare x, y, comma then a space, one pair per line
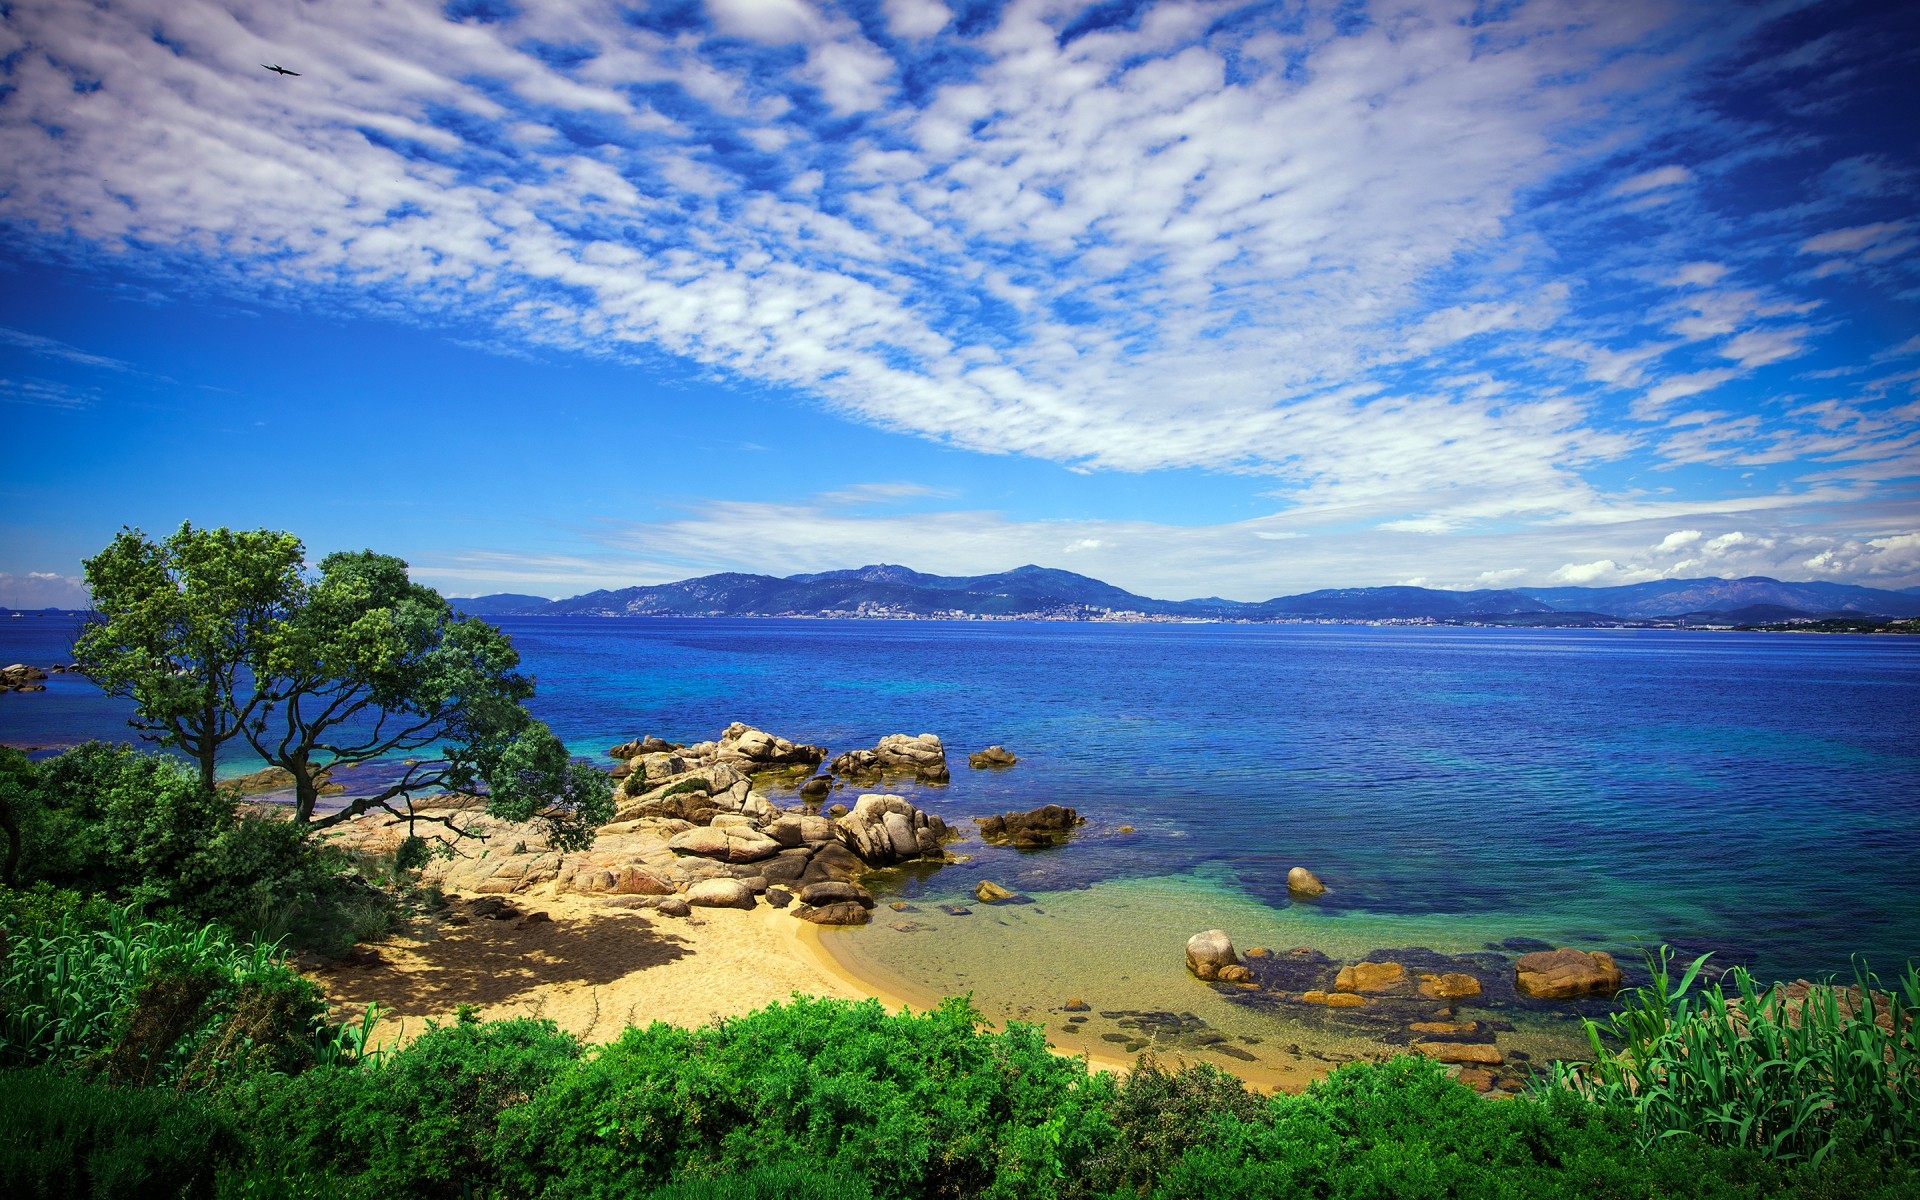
1793, 1074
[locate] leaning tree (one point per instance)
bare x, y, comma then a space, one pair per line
345, 665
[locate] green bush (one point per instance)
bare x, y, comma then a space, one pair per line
917, 1105
70, 1137
778, 1181
420, 1121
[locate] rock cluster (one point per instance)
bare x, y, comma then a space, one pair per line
22, 678
1566, 973
1048, 825
898, 753
1210, 956
992, 756
689, 830
884, 830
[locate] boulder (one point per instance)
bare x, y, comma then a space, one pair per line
832, 861
897, 753
835, 892
884, 830
989, 892
1566, 973
1445, 1029
816, 787
20, 674
1304, 883
835, 914
1451, 987
1076, 1004
1370, 977
731, 843
673, 906
1208, 952
992, 756
720, 893
594, 879
779, 897
1477, 1053
1235, 974
1047, 825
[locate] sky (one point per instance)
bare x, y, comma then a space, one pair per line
1210, 298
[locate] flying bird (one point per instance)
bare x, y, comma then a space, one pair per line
277, 69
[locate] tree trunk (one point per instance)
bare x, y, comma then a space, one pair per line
209, 745
305, 791
10, 821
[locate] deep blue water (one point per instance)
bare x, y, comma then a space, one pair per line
1751, 793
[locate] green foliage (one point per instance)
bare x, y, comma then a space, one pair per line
422, 1122
175, 623
157, 1002
1737, 1066
775, 1181
68, 1137
1159, 1116
139, 828
918, 1105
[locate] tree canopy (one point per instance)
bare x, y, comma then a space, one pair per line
216, 635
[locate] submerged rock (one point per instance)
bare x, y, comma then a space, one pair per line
989, 892
1370, 977
1451, 987
1477, 1053
992, 756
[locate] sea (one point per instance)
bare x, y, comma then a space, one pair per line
1465, 793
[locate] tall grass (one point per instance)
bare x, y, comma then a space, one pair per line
139, 998
1738, 1065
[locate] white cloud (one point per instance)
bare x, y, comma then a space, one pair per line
1659, 177
916, 18
42, 589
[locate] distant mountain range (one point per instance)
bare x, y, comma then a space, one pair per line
892, 591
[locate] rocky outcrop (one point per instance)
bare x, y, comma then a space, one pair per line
897, 754
1305, 884
992, 756
22, 678
740, 843
1048, 825
276, 779
1566, 973
885, 829
753, 749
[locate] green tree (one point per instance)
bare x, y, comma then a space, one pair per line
367, 665
174, 624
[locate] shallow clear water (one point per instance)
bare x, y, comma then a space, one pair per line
1754, 794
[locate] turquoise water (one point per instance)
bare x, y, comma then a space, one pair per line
1756, 795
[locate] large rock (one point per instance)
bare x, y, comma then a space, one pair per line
756, 750
846, 913
795, 830
832, 861
885, 829
1370, 977
834, 892
720, 893
989, 892
1304, 883
640, 881
731, 843
992, 756
1047, 825
1209, 952
897, 753
1566, 973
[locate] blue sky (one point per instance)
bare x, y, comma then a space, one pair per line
1199, 298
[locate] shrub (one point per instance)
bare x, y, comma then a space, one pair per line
1793, 1079
67, 1137
422, 1120
916, 1105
